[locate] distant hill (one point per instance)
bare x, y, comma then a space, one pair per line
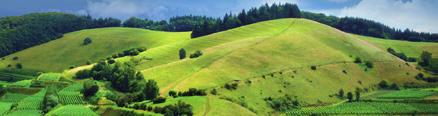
68, 51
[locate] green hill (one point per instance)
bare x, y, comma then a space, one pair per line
68, 51
274, 58
265, 60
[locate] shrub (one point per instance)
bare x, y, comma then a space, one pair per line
394, 86
15, 58
182, 53
232, 86
425, 59
412, 59
313, 67
350, 96
283, 103
111, 61
151, 90
357, 60
196, 54
82, 74
87, 41
357, 95
90, 88
383, 84
369, 64
341, 93
193, 92
172, 93
213, 91
18, 66
88, 62
159, 100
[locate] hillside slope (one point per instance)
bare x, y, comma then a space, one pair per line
265, 60
254, 56
68, 51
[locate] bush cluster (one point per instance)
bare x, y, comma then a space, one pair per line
130, 52
196, 54
178, 109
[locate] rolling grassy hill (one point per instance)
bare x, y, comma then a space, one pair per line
269, 59
286, 49
67, 51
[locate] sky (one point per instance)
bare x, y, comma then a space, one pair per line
419, 15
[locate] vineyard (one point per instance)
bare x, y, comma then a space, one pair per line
13, 97
12, 77
71, 95
371, 108
408, 94
69, 110
34, 102
5, 107
25, 113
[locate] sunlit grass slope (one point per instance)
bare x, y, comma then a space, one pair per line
68, 51
411, 49
285, 48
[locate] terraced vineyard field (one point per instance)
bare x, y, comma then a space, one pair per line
70, 110
25, 113
71, 95
13, 97
408, 94
33, 102
5, 107
376, 108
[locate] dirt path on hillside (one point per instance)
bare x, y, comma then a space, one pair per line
207, 106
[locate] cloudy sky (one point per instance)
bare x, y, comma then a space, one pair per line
419, 15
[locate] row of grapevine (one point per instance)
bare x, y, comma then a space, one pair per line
13, 97
25, 113
370, 108
5, 107
71, 95
408, 94
33, 102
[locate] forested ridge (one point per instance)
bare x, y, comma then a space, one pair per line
21, 32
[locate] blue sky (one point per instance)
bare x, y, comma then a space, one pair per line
419, 15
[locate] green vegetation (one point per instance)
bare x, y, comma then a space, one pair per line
49, 77
106, 42
371, 108
250, 70
87, 41
19, 32
69, 110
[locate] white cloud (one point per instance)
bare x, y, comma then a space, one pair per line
123, 9
419, 15
338, 1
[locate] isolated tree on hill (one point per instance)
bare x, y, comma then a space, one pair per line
182, 53
425, 58
87, 41
151, 90
357, 95
350, 96
383, 84
341, 93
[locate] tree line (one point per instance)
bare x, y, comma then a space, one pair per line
370, 28
21, 32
